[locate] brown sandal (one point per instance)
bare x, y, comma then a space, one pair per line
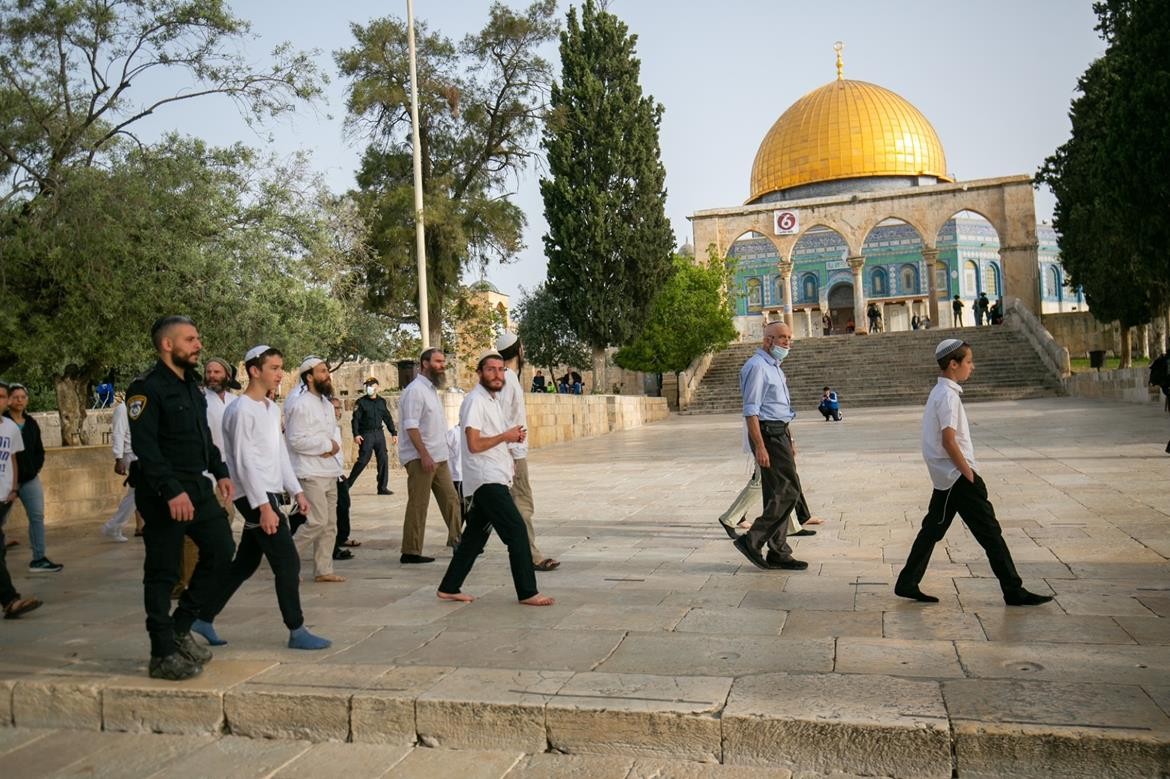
21, 606
352, 543
547, 564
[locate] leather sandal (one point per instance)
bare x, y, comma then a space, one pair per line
547, 564
352, 543
21, 606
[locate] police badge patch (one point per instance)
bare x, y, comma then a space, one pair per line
135, 406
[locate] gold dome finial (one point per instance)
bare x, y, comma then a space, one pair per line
839, 47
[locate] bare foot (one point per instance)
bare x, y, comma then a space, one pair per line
743, 524
462, 597
538, 600
813, 521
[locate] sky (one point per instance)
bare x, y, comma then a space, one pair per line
994, 77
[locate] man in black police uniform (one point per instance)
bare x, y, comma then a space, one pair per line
369, 414
169, 434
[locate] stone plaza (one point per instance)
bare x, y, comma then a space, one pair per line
666, 653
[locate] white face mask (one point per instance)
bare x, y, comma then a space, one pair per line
779, 352
371, 390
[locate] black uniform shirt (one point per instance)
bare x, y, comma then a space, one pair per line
369, 414
168, 431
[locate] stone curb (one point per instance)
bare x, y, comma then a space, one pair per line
864, 724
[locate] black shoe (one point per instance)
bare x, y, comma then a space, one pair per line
385, 492
1022, 597
196, 653
746, 550
804, 532
775, 561
913, 593
729, 530
174, 668
342, 554
411, 559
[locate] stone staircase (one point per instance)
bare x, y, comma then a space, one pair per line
885, 369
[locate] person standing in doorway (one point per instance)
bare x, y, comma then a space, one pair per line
827, 324
957, 306
982, 304
28, 486
370, 413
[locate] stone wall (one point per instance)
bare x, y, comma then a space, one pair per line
1127, 385
81, 488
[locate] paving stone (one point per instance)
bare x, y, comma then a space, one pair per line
550, 765
1106, 604
1024, 627
825, 722
732, 621
800, 601
1146, 630
15, 738
1160, 694
232, 757
681, 654
384, 646
1111, 664
6, 686
611, 617
484, 708
287, 702
145, 705
57, 703
935, 623
385, 713
896, 657
465, 764
554, 650
829, 624
642, 714
129, 756
1023, 728
354, 761
679, 769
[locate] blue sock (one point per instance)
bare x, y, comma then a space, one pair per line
301, 638
207, 630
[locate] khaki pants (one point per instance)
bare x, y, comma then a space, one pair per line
419, 487
522, 495
320, 530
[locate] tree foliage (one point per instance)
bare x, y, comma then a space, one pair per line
479, 106
691, 316
548, 340
609, 243
1112, 202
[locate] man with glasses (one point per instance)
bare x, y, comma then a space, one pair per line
767, 409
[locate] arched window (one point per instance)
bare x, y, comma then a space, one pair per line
808, 288
908, 279
942, 278
991, 280
970, 278
1052, 282
755, 292
877, 283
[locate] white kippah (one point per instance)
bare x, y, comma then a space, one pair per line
309, 364
255, 352
946, 347
506, 340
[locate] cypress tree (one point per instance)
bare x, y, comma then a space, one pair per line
609, 244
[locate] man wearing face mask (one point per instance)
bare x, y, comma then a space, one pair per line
767, 410
369, 414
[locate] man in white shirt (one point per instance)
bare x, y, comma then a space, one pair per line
123, 457
422, 450
487, 476
958, 488
260, 469
11, 442
313, 444
511, 349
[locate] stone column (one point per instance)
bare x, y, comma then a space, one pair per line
857, 265
808, 323
1021, 274
785, 267
930, 257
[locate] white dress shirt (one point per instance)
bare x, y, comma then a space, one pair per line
310, 430
455, 452
944, 408
254, 451
215, 408
512, 399
420, 408
121, 434
483, 411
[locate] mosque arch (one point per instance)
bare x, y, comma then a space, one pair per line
992, 280
908, 282
1053, 285
754, 292
879, 282
970, 286
810, 287
889, 219
947, 214
849, 236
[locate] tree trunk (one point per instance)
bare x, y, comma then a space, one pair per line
677, 391
1143, 341
71, 401
1158, 326
435, 320
1126, 348
600, 377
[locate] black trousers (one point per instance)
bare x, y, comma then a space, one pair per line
492, 507
342, 514
281, 553
781, 488
163, 539
8, 592
969, 501
373, 444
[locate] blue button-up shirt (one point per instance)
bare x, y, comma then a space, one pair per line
765, 390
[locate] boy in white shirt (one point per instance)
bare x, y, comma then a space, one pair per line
260, 469
958, 489
11, 442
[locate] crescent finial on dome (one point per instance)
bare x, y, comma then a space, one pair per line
839, 47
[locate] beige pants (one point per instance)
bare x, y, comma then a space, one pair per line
320, 530
420, 485
522, 497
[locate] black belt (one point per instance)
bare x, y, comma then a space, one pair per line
773, 424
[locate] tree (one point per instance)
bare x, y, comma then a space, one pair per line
479, 107
691, 316
609, 243
1112, 216
548, 340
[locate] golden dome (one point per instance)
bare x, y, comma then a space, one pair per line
845, 130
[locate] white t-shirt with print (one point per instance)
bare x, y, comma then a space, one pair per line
11, 442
